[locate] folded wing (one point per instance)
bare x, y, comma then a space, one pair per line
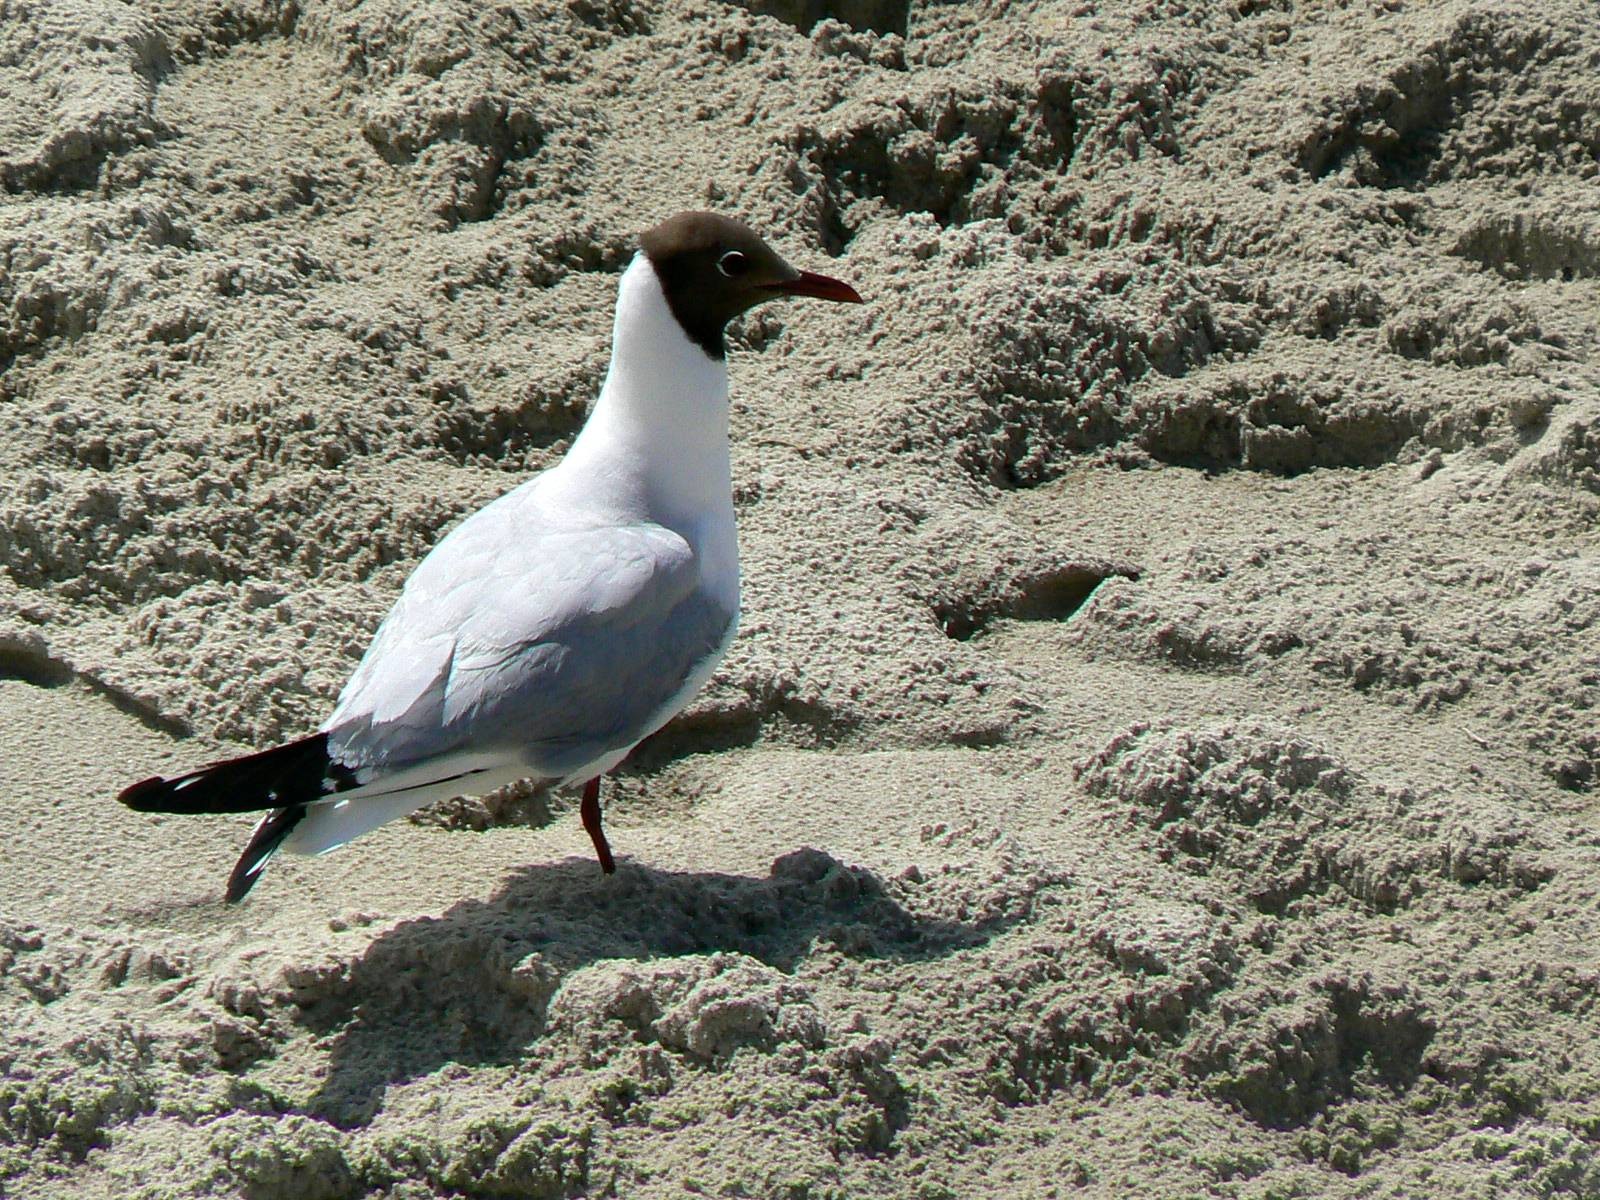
554, 645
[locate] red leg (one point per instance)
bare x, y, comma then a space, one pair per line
591, 821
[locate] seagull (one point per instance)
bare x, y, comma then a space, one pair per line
556, 628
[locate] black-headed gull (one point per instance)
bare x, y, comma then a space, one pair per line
554, 629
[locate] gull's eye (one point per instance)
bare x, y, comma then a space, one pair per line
733, 264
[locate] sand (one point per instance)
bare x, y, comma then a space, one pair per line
1160, 755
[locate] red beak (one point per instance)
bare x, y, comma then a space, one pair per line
809, 283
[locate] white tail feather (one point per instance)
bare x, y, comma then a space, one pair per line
331, 824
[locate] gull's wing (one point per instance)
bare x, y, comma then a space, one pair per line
515, 638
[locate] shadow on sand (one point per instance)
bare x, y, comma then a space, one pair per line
472, 986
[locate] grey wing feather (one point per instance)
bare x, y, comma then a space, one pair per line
552, 644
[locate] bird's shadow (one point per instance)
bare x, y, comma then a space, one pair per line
472, 985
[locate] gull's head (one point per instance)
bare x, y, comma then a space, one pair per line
712, 268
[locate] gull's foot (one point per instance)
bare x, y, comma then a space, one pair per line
590, 811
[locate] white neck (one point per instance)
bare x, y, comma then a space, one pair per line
658, 434
655, 448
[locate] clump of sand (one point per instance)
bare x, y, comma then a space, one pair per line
1160, 753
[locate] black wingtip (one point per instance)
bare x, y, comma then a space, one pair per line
240, 883
264, 842
147, 795
294, 773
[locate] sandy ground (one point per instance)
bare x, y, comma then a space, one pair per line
1160, 755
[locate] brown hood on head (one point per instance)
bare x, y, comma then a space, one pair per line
712, 268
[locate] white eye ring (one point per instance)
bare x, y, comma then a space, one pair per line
733, 264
